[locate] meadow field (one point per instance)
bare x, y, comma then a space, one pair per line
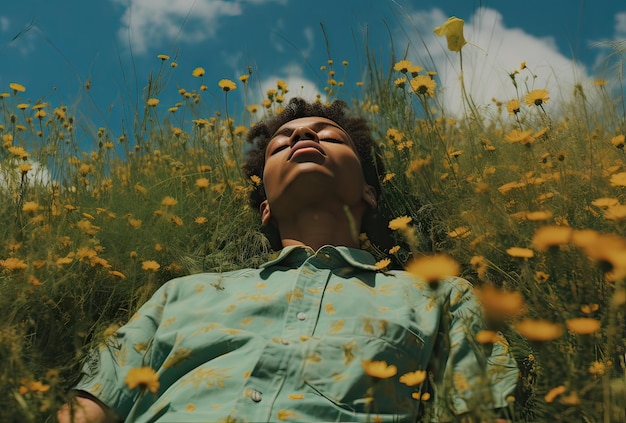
527, 198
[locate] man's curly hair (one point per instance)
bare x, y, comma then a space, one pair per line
356, 127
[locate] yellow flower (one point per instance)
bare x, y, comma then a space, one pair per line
487, 337
605, 202
17, 88
200, 220
198, 72
516, 135
512, 107
539, 330
434, 268
423, 85
618, 141
227, 85
382, 264
597, 368
583, 325
399, 223
152, 102
244, 78
202, 183
30, 207
536, 97
144, 378
553, 393
163, 57
551, 236
453, 30
150, 266
379, 369
413, 378
169, 201
500, 304
117, 274
400, 82
394, 249
415, 70
13, 263
520, 252
618, 180
402, 66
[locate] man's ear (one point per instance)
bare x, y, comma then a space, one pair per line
266, 215
369, 195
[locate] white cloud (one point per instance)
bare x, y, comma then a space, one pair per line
298, 85
149, 23
620, 26
493, 52
4, 23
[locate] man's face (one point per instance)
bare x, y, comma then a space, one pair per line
312, 159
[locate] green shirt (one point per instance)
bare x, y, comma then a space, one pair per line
289, 342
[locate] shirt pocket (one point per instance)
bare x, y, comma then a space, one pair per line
334, 366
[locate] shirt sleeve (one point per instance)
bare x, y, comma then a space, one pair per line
105, 370
467, 375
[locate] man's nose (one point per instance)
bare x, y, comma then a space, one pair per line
303, 133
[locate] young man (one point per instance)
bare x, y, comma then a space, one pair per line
316, 334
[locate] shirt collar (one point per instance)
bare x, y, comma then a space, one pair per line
295, 255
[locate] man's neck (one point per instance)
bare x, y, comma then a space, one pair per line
316, 228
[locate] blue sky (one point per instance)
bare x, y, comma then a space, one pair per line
113, 44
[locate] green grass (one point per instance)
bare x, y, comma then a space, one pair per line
85, 244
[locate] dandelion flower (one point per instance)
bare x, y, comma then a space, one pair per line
202, 183
402, 66
150, 266
198, 72
423, 85
400, 223
583, 325
513, 107
394, 249
379, 369
500, 304
414, 70
551, 236
605, 202
519, 252
538, 216
597, 368
615, 213
200, 220
539, 330
618, 141
30, 207
434, 268
169, 201
553, 393
382, 264
516, 135
227, 85
163, 57
244, 78
536, 97
17, 88
152, 102
12, 264
144, 378
400, 82
453, 30
413, 378
618, 180
487, 337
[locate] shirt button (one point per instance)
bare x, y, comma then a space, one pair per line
256, 396
301, 315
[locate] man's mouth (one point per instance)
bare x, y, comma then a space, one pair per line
306, 146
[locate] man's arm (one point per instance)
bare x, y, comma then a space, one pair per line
84, 408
